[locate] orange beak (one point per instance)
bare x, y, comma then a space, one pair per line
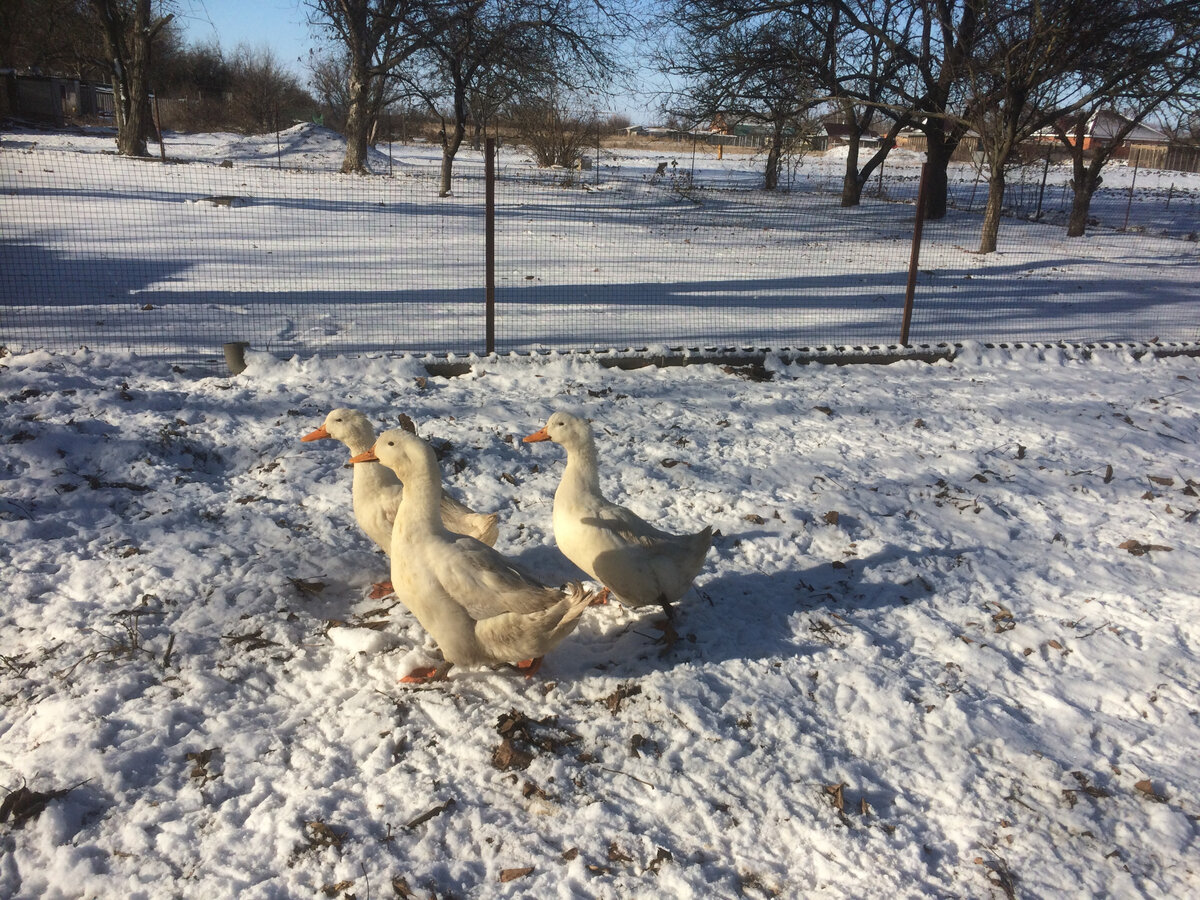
365, 456
542, 435
316, 435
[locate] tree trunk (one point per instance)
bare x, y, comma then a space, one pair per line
940, 149
1084, 183
450, 143
358, 119
991, 216
128, 35
774, 154
851, 184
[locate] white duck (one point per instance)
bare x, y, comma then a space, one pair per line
479, 607
375, 491
638, 563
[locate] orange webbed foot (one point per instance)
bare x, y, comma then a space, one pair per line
530, 666
381, 589
601, 598
425, 674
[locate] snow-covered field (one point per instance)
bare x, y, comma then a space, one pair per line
278, 250
945, 644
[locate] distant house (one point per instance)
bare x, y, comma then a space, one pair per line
1101, 128
969, 149
838, 134
53, 99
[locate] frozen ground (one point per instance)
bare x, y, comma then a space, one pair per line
945, 645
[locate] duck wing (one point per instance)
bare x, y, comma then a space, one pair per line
487, 584
461, 519
513, 636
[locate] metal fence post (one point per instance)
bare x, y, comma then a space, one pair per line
489, 177
911, 289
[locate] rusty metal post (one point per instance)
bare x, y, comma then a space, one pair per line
489, 177
918, 225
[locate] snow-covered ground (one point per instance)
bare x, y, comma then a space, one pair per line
281, 251
945, 644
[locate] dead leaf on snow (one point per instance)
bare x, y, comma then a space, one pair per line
321, 835
662, 856
616, 854
507, 875
1003, 620
332, 890
307, 587
837, 795
429, 814
1146, 787
24, 805
614, 700
1137, 548
200, 763
1085, 785
250, 641
507, 756
1164, 480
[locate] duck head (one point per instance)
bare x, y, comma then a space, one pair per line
346, 425
562, 428
404, 453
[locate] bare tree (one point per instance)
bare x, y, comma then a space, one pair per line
57, 36
377, 36
899, 59
860, 68
482, 47
1037, 62
129, 28
330, 80
752, 70
1156, 63
264, 93
555, 135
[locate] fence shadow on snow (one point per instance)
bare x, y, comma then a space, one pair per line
176, 260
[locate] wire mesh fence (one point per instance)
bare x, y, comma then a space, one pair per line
264, 242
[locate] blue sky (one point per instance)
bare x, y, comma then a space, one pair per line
280, 25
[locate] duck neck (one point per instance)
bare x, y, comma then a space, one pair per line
582, 464
359, 440
421, 502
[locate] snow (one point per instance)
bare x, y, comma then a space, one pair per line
922, 592
282, 251
945, 643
